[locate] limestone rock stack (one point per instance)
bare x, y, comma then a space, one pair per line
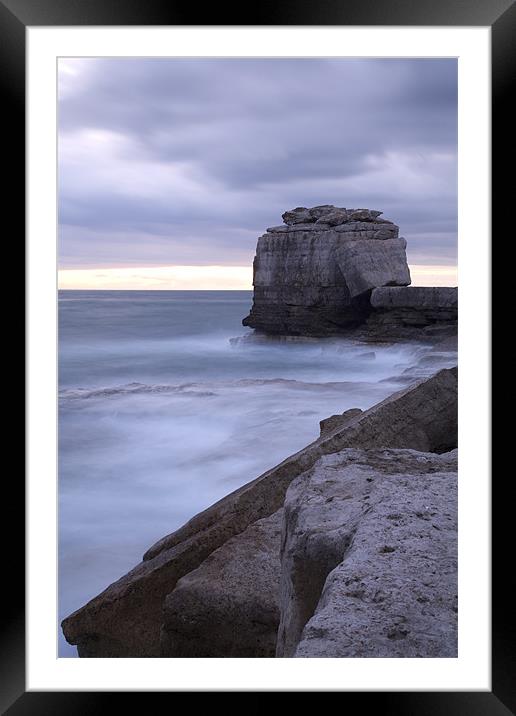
314, 274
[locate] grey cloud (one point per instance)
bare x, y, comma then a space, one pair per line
137, 247
254, 137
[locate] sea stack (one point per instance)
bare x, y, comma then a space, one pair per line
313, 276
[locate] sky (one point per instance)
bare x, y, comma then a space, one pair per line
171, 168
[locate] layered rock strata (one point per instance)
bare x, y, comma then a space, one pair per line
127, 619
412, 312
313, 275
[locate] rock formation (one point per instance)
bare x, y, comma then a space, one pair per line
328, 425
330, 271
210, 588
369, 557
229, 606
313, 275
415, 311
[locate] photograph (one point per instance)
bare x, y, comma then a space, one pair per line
246, 243
258, 357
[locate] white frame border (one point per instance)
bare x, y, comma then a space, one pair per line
472, 669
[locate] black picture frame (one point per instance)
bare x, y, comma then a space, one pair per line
15, 17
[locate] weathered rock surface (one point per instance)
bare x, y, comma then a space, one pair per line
353, 230
364, 214
300, 215
314, 275
328, 214
407, 312
334, 217
369, 557
380, 230
328, 425
418, 297
317, 211
365, 264
125, 619
229, 606
299, 288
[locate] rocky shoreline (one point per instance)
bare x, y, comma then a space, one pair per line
346, 548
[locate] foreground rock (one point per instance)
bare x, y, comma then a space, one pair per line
125, 619
329, 425
369, 557
313, 275
229, 606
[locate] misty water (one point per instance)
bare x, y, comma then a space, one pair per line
160, 416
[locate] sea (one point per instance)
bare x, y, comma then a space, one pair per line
161, 414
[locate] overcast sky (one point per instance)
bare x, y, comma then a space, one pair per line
186, 162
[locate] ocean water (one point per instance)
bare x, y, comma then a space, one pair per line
160, 416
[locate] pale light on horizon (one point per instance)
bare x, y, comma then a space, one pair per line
206, 278
432, 275
159, 278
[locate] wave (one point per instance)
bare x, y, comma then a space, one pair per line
131, 389
200, 389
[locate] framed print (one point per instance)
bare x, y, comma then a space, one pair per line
172, 359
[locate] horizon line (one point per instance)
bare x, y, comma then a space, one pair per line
206, 278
